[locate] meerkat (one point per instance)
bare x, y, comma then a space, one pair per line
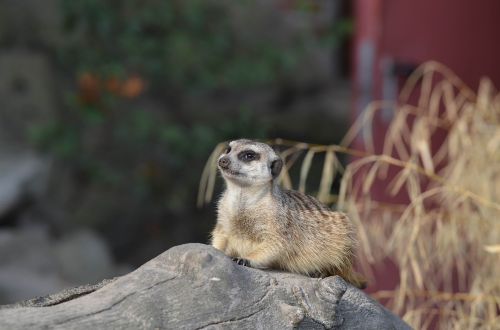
261, 225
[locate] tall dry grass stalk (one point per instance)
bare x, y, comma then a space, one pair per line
446, 240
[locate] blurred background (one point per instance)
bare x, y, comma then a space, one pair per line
110, 109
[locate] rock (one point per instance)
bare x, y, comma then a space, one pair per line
32, 263
31, 22
21, 174
84, 257
28, 96
194, 286
27, 264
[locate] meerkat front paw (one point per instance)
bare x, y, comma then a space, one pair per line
242, 262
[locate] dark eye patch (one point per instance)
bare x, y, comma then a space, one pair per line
248, 156
228, 150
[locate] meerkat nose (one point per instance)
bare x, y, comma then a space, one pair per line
224, 162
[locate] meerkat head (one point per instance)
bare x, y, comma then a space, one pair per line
248, 163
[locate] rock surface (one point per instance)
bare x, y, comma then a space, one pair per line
21, 175
47, 265
194, 286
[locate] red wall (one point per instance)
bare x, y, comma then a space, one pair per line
462, 34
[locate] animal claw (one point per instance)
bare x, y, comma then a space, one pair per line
242, 262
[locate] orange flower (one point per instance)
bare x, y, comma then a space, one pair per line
132, 87
89, 88
113, 85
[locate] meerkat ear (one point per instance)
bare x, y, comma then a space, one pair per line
276, 166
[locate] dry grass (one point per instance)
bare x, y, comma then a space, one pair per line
447, 238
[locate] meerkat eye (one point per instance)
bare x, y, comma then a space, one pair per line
228, 150
248, 155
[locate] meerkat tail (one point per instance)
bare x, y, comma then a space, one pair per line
355, 279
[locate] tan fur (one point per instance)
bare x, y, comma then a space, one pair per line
279, 229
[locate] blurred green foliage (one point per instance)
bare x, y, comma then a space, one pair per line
133, 132
178, 44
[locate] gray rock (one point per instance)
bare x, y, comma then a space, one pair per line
46, 265
28, 96
194, 286
31, 22
21, 174
27, 269
84, 257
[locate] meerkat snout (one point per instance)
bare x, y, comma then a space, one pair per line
224, 162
